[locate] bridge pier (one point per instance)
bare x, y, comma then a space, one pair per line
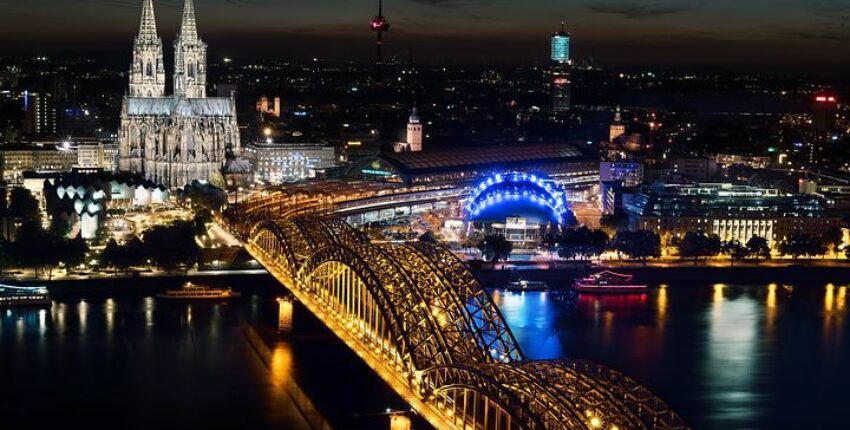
399, 422
284, 315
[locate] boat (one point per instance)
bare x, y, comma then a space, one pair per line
192, 291
608, 282
23, 296
527, 286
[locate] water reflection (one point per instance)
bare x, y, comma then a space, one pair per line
727, 356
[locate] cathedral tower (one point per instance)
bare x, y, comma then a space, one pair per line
147, 73
190, 58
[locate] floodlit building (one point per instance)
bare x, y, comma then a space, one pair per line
16, 160
560, 79
276, 163
84, 198
730, 211
560, 52
413, 143
174, 140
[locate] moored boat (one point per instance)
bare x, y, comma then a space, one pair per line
192, 291
608, 282
527, 286
23, 296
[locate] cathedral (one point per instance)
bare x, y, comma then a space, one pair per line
174, 140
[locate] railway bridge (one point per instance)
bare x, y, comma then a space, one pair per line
416, 315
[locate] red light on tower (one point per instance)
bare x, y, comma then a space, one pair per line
379, 25
826, 99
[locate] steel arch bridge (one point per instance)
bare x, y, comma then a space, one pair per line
417, 316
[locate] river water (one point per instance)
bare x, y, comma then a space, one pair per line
724, 356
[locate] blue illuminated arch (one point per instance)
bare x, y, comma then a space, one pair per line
526, 187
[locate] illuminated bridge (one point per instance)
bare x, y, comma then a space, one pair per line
417, 316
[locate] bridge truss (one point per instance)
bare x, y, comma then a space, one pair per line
417, 316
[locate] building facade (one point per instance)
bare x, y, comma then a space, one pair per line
174, 140
289, 162
413, 143
733, 212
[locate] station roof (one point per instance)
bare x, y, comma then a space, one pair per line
477, 157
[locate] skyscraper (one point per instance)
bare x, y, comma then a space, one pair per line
559, 71
561, 46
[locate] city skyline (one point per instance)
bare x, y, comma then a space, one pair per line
752, 35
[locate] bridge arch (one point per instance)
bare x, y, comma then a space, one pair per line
388, 312
416, 313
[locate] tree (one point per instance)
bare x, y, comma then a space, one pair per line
123, 257
103, 235
172, 246
615, 221
28, 250
640, 245
200, 220
758, 247
802, 244
428, 237
495, 247
23, 206
73, 252
60, 226
833, 238
696, 245
582, 242
735, 250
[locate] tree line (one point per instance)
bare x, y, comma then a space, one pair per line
583, 243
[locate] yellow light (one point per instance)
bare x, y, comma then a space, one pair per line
267, 132
595, 422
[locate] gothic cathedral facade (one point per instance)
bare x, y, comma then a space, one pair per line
174, 140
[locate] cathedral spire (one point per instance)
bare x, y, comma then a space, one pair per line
189, 28
147, 28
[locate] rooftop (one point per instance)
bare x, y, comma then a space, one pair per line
472, 157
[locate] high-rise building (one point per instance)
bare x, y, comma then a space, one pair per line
40, 117
174, 140
824, 111
561, 47
559, 72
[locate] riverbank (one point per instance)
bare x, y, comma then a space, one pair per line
563, 277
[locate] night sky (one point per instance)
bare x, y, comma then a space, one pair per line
753, 34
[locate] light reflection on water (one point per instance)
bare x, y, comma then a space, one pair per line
725, 356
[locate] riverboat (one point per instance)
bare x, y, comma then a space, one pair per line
608, 282
23, 296
192, 291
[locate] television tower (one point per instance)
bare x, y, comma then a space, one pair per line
379, 25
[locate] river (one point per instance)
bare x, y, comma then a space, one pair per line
724, 356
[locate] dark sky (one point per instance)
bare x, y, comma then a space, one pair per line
783, 35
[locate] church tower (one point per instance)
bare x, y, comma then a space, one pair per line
616, 129
414, 132
190, 58
147, 73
